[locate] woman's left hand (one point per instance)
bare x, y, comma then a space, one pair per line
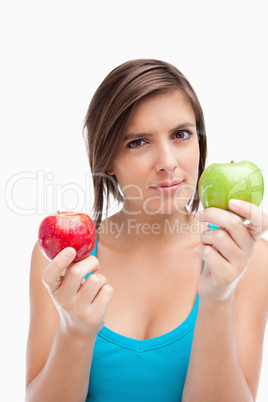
227, 250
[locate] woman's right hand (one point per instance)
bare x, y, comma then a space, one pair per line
81, 303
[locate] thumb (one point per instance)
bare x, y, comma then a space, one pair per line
53, 274
258, 220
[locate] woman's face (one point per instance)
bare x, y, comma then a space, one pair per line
157, 164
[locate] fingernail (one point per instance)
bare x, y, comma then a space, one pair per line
68, 253
234, 204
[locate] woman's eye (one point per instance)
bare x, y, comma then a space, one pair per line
183, 134
136, 143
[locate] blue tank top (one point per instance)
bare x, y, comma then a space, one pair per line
152, 370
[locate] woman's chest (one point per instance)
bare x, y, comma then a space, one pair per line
152, 297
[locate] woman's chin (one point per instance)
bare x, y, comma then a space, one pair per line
166, 209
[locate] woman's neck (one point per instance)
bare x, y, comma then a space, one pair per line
144, 228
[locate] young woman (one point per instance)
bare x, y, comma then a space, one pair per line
175, 308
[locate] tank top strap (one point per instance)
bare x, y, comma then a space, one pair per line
94, 253
212, 226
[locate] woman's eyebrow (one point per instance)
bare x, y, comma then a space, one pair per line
183, 125
134, 136
141, 135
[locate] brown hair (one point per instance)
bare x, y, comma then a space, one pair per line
109, 113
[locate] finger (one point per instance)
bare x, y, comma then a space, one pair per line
53, 274
229, 221
92, 287
102, 300
74, 277
221, 271
258, 220
223, 243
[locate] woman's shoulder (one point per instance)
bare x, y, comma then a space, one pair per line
253, 286
258, 265
38, 261
261, 248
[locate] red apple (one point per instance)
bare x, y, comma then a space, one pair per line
67, 229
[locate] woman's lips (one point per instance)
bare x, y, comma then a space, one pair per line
167, 187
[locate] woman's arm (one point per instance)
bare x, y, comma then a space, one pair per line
227, 346
66, 315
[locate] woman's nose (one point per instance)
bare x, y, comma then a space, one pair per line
166, 159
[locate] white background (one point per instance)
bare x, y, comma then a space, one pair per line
54, 55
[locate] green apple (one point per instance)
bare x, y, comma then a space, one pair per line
221, 182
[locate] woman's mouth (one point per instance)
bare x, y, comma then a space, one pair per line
167, 187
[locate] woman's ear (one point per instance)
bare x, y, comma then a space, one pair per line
110, 171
